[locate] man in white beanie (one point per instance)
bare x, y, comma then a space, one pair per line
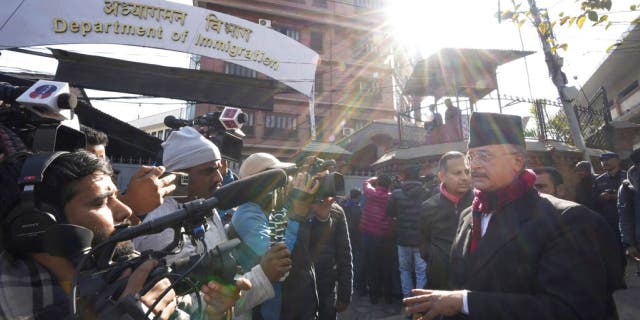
188, 151
296, 296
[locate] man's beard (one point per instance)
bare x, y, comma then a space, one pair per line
123, 251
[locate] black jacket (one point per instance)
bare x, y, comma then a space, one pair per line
405, 206
629, 207
540, 258
299, 295
331, 253
608, 208
438, 224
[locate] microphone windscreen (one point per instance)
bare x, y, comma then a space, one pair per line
249, 189
171, 121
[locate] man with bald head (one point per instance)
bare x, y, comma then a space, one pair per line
519, 254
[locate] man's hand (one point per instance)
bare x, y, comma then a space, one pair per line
221, 298
633, 253
434, 303
167, 305
341, 307
145, 190
276, 262
303, 187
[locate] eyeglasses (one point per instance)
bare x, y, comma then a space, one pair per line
484, 157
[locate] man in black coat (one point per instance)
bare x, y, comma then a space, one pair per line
518, 254
405, 206
440, 216
331, 256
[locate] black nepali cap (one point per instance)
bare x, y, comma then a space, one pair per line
495, 128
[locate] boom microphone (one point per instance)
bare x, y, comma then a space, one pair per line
175, 123
228, 196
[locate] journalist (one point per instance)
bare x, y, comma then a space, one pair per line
296, 296
145, 190
76, 190
188, 151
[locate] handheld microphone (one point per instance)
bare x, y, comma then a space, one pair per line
228, 196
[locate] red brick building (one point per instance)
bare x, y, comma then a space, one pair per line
353, 82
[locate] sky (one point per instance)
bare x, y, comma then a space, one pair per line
424, 25
431, 25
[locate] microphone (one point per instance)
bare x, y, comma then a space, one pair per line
228, 196
175, 123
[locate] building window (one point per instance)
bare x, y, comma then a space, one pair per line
357, 124
320, 129
249, 127
316, 41
368, 4
320, 3
369, 87
279, 125
363, 47
288, 31
237, 70
319, 88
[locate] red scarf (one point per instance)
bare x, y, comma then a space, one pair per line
455, 199
487, 202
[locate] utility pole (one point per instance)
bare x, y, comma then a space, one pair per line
559, 79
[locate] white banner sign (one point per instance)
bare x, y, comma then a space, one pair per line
159, 24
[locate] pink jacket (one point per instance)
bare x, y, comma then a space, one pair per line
374, 220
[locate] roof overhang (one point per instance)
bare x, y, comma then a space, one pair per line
459, 72
100, 73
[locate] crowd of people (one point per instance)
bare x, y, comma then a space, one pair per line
492, 239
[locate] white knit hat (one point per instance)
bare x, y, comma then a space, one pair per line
259, 162
187, 148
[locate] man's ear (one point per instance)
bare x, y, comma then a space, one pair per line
441, 176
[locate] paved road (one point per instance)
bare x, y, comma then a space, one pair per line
627, 301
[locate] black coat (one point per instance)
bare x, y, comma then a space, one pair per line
629, 208
331, 254
438, 225
541, 258
299, 295
405, 206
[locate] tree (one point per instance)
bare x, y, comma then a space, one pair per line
556, 126
593, 11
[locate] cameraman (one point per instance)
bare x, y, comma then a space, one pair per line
296, 296
188, 151
145, 190
77, 190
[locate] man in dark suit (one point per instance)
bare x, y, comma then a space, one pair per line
440, 216
519, 254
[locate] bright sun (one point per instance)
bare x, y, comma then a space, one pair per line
430, 25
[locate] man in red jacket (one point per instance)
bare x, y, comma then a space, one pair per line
377, 234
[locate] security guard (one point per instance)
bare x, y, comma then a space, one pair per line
606, 189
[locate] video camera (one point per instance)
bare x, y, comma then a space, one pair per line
223, 128
331, 184
97, 276
42, 115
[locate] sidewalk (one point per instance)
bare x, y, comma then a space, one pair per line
361, 309
627, 301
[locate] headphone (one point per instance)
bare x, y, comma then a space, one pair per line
27, 223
